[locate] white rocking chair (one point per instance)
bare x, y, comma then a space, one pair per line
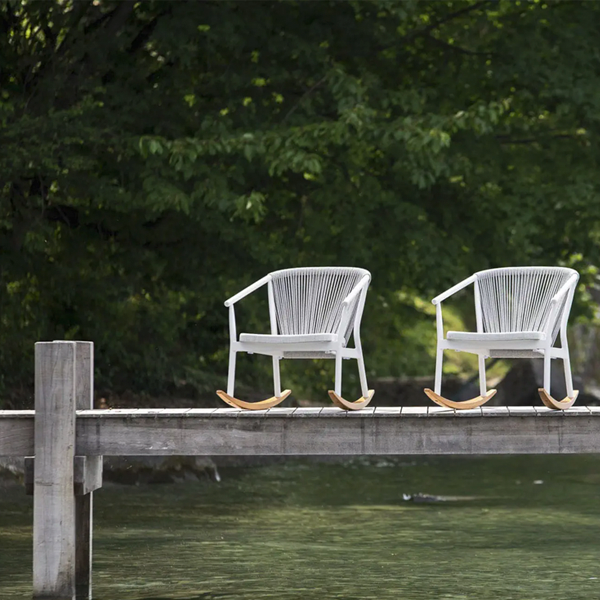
519, 312
313, 313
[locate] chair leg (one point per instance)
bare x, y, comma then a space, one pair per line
336, 396
482, 381
230, 399
276, 377
435, 394
362, 374
231, 373
568, 374
572, 394
547, 371
338, 373
439, 359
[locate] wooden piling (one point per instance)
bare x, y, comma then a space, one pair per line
54, 500
92, 469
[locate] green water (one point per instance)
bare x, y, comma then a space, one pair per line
306, 531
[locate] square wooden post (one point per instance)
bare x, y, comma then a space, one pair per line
84, 502
54, 499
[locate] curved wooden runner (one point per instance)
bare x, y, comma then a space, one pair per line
346, 405
260, 405
464, 405
563, 404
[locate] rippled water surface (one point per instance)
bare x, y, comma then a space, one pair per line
526, 528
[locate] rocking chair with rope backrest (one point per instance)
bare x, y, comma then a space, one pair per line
520, 311
313, 312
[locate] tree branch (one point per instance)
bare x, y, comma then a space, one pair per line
459, 13
118, 17
144, 34
79, 9
560, 136
305, 95
458, 49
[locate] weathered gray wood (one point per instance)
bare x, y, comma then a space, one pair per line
386, 411
576, 411
528, 411
53, 499
87, 474
316, 432
16, 432
28, 474
84, 516
369, 411
502, 430
279, 411
495, 411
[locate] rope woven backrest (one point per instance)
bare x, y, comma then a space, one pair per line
309, 300
519, 298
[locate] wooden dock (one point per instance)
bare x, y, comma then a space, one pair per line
318, 431
65, 440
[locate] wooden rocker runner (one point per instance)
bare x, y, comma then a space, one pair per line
462, 405
563, 404
313, 314
520, 312
260, 405
347, 405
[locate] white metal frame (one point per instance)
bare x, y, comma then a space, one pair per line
351, 307
555, 322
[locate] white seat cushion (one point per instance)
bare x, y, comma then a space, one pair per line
512, 336
259, 338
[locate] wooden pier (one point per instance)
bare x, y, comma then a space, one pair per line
67, 440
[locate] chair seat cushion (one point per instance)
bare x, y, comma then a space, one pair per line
259, 338
512, 336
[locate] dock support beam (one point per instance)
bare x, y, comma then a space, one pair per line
63, 484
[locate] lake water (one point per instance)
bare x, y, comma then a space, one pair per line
528, 529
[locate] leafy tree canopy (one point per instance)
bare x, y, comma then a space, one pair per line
156, 156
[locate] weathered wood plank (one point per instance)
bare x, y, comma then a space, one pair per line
279, 411
84, 518
494, 411
575, 411
311, 432
87, 475
53, 499
386, 411
199, 431
16, 432
525, 411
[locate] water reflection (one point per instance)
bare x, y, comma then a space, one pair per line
438, 528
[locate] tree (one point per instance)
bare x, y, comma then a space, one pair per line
156, 156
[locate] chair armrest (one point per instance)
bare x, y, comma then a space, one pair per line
247, 290
565, 288
454, 289
357, 289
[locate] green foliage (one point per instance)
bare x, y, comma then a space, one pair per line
156, 156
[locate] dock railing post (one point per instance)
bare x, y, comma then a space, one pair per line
54, 498
92, 466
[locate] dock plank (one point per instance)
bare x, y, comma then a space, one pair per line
308, 431
311, 431
16, 432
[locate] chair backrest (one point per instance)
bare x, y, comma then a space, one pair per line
309, 300
519, 298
